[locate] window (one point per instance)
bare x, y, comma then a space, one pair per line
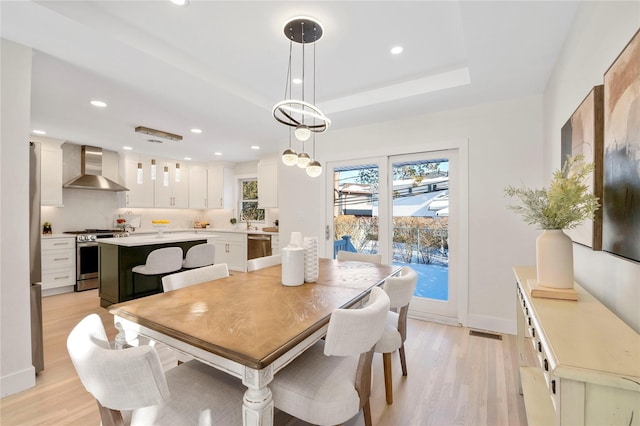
249, 210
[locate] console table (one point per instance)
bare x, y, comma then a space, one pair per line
587, 361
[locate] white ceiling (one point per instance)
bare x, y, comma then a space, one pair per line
221, 66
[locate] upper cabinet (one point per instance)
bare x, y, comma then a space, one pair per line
268, 183
220, 187
198, 187
140, 192
50, 174
171, 185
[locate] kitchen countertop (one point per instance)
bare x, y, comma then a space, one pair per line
58, 236
149, 239
146, 231
239, 231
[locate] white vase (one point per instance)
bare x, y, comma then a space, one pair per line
554, 259
292, 266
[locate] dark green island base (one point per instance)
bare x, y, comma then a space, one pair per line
116, 278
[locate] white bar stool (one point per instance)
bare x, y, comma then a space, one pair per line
159, 263
199, 255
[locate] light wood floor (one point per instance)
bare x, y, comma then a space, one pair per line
454, 378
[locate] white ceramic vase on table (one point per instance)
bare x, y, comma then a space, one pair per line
554, 259
292, 258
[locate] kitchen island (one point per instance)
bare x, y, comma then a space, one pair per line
117, 256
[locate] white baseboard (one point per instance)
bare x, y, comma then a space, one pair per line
58, 290
487, 323
432, 318
17, 381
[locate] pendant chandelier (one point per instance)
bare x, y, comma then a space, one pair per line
304, 117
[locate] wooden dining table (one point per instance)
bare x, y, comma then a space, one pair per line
249, 325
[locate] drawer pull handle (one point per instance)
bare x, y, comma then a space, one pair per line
546, 365
553, 387
60, 244
62, 278
540, 347
61, 258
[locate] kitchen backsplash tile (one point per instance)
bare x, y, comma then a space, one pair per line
85, 209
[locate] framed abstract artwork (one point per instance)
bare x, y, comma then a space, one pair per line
583, 134
621, 212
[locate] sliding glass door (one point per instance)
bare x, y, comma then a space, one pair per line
403, 207
355, 207
420, 226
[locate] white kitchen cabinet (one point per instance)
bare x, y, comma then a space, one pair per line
268, 183
139, 194
231, 248
58, 257
198, 187
50, 174
220, 187
173, 194
275, 244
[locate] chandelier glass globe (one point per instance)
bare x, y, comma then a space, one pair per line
314, 169
303, 160
290, 157
302, 132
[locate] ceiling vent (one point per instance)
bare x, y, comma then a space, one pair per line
158, 133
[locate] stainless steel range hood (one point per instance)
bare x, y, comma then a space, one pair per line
91, 169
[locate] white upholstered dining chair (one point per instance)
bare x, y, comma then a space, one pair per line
131, 388
331, 381
359, 257
263, 262
194, 276
199, 255
400, 289
188, 278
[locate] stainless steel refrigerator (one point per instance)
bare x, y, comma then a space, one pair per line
37, 344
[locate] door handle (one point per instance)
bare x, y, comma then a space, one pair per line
327, 233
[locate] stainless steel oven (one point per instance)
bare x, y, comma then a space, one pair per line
87, 255
86, 265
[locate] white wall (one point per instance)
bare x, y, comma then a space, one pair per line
16, 371
599, 33
504, 141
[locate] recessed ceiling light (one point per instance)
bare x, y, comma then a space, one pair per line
217, 153
180, 2
98, 104
297, 81
255, 147
39, 132
128, 148
397, 50
196, 130
187, 158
